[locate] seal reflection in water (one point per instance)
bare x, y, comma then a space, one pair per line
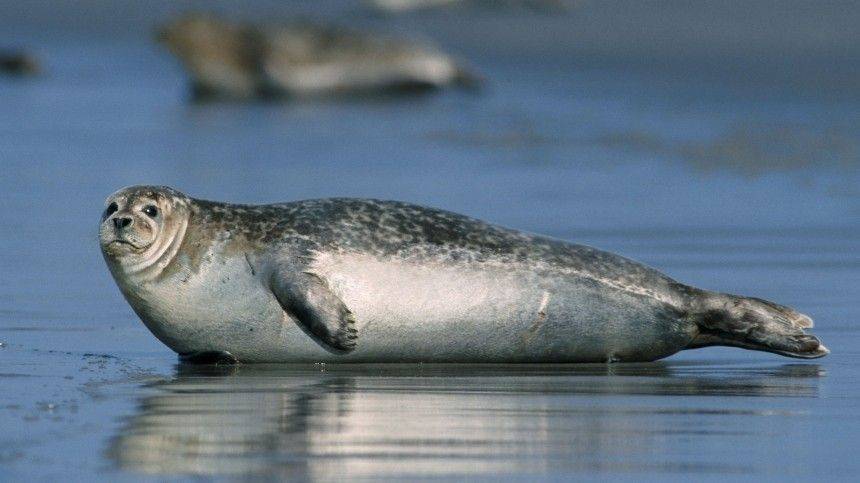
300, 422
353, 280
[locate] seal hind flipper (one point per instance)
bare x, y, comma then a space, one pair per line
307, 298
755, 324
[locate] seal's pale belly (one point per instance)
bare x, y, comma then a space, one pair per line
407, 311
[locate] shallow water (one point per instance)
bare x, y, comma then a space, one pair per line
745, 184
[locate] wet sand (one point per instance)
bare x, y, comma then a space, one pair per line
744, 184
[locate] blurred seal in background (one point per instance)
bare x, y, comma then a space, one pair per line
404, 6
244, 61
19, 63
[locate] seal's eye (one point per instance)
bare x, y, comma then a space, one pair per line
111, 209
150, 210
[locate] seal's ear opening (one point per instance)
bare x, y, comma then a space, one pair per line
755, 324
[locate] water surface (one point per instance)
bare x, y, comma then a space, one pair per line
744, 183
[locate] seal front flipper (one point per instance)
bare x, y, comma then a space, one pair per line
218, 358
307, 298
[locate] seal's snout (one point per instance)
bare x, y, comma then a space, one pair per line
121, 222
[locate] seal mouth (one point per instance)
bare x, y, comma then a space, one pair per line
118, 243
122, 242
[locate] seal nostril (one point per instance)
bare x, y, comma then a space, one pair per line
122, 222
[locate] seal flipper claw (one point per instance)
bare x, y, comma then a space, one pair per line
755, 324
307, 298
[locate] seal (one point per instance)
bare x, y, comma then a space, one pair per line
405, 6
353, 280
245, 61
18, 63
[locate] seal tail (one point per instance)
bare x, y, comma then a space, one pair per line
467, 79
755, 324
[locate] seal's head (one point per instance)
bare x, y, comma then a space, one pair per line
142, 228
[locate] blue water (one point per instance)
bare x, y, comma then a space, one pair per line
745, 183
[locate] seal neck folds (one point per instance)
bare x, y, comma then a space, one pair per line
150, 263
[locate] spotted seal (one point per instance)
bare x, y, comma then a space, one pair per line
356, 280
244, 61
